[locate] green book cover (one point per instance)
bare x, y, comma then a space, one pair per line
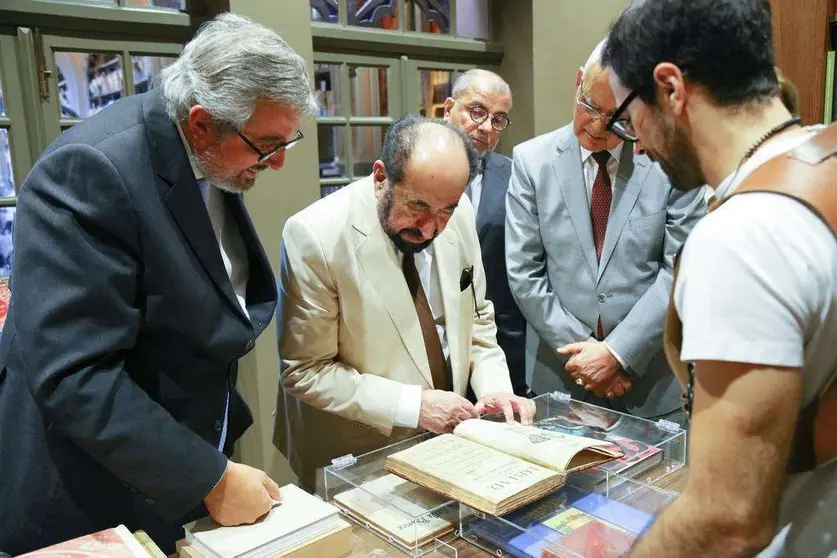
828, 115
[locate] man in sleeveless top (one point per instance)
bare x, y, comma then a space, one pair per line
756, 286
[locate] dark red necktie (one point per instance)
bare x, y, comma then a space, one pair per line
600, 200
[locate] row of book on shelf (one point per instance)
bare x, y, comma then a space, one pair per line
510, 479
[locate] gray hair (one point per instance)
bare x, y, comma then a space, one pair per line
480, 79
230, 64
593, 67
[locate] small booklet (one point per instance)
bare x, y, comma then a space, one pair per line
397, 508
497, 467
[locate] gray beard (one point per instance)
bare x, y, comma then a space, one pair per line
225, 184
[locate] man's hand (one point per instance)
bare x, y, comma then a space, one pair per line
441, 410
593, 364
243, 495
508, 403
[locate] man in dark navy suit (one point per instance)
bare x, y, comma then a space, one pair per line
139, 283
479, 105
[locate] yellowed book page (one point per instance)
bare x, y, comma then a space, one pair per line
473, 467
559, 452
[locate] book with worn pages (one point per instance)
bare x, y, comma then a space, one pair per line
117, 542
300, 521
497, 467
397, 508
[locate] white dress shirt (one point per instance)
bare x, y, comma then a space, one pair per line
230, 244
409, 408
476, 191
590, 169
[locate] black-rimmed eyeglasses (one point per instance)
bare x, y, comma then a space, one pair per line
480, 114
623, 127
265, 155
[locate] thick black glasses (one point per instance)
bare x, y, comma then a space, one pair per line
480, 114
623, 127
265, 155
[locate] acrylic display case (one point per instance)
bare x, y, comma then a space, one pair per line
617, 499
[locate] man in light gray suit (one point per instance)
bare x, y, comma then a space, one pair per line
591, 231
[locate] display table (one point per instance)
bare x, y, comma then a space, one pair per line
367, 544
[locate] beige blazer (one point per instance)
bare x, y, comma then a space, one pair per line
349, 337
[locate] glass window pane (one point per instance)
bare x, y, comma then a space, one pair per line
7, 184
332, 150
7, 253
368, 91
329, 189
472, 19
429, 16
146, 69
382, 14
435, 86
87, 82
174, 4
327, 89
367, 142
324, 10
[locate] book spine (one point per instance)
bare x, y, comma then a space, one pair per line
828, 115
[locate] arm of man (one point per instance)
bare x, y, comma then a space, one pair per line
526, 265
76, 317
638, 337
742, 425
307, 327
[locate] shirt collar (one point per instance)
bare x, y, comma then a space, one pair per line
616, 152
195, 169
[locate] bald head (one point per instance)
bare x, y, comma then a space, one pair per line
479, 106
595, 103
481, 81
422, 173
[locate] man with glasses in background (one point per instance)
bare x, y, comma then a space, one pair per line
591, 233
139, 283
479, 106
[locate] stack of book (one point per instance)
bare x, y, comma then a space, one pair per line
302, 525
571, 523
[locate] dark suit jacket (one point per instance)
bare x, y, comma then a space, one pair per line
491, 226
122, 338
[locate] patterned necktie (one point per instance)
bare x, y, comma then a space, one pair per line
600, 200
435, 356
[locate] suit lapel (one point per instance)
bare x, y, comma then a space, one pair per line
570, 176
629, 181
446, 260
378, 259
182, 196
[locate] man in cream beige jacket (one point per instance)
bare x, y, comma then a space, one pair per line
382, 320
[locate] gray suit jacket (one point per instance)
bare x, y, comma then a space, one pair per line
562, 290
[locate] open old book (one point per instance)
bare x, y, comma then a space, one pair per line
497, 467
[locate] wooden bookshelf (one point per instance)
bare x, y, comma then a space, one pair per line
800, 35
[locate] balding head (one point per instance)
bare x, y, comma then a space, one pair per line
486, 95
593, 99
422, 173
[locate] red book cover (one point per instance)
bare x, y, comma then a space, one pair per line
117, 542
594, 539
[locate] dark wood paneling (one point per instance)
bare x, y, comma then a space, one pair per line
800, 33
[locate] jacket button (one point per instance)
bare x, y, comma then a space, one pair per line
149, 500
602, 297
249, 345
218, 425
